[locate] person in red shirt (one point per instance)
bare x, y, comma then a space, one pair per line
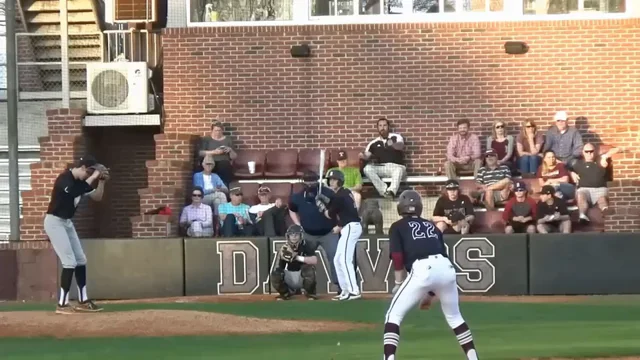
519, 212
554, 173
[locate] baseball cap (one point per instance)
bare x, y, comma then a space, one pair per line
87, 161
452, 185
490, 152
561, 116
520, 186
342, 155
236, 191
264, 190
547, 190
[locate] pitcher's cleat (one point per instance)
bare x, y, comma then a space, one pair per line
65, 310
88, 306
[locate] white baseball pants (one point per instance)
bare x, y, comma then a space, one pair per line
343, 260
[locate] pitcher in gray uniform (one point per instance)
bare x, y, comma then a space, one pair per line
68, 190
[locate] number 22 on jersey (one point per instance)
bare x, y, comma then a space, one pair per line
422, 230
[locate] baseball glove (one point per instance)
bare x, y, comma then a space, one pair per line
456, 216
287, 254
104, 171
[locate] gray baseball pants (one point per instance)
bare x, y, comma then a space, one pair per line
329, 243
65, 241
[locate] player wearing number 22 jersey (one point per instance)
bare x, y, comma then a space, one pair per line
417, 247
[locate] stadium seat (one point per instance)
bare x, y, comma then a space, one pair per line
281, 163
488, 222
241, 167
280, 190
352, 158
309, 159
596, 224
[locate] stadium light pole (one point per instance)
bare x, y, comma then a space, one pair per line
12, 119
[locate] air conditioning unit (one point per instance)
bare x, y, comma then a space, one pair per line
117, 88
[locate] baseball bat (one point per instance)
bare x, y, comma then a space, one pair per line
321, 172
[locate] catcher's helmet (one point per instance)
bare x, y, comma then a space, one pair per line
294, 236
336, 174
409, 203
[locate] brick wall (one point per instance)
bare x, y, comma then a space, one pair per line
421, 76
624, 202
29, 271
28, 75
64, 145
125, 150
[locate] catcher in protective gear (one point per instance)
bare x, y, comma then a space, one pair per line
295, 268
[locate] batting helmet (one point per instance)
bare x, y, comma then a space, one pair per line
409, 203
338, 175
294, 236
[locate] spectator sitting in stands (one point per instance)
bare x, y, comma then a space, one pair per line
463, 151
386, 158
520, 212
268, 217
591, 176
553, 215
502, 144
221, 148
495, 181
529, 143
197, 218
555, 173
564, 141
352, 177
215, 191
234, 216
453, 212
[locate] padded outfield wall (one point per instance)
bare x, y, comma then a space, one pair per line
576, 264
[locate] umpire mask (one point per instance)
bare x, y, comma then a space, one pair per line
294, 236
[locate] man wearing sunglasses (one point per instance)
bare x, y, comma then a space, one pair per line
590, 175
197, 218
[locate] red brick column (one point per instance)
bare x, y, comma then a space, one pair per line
624, 203
169, 180
29, 271
64, 145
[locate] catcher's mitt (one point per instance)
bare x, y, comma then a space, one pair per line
104, 171
287, 254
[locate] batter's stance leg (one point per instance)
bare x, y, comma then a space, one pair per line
448, 295
422, 280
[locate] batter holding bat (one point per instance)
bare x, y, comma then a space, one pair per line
342, 208
69, 188
417, 246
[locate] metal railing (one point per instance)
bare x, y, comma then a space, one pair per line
39, 59
39, 63
133, 45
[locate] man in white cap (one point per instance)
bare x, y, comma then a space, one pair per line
564, 141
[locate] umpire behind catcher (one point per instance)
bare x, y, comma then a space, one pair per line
69, 188
317, 228
296, 266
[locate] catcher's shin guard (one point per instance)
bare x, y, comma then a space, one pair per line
278, 283
308, 273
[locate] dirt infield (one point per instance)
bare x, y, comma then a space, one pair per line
259, 298
147, 323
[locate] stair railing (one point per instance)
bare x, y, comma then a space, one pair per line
133, 45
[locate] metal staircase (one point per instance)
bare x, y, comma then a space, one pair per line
42, 23
26, 156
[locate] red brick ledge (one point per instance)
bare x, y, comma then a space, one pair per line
26, 245
65, 112
471, 26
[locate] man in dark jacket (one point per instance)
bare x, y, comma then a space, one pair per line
317, 227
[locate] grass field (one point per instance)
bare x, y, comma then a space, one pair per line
598, 327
